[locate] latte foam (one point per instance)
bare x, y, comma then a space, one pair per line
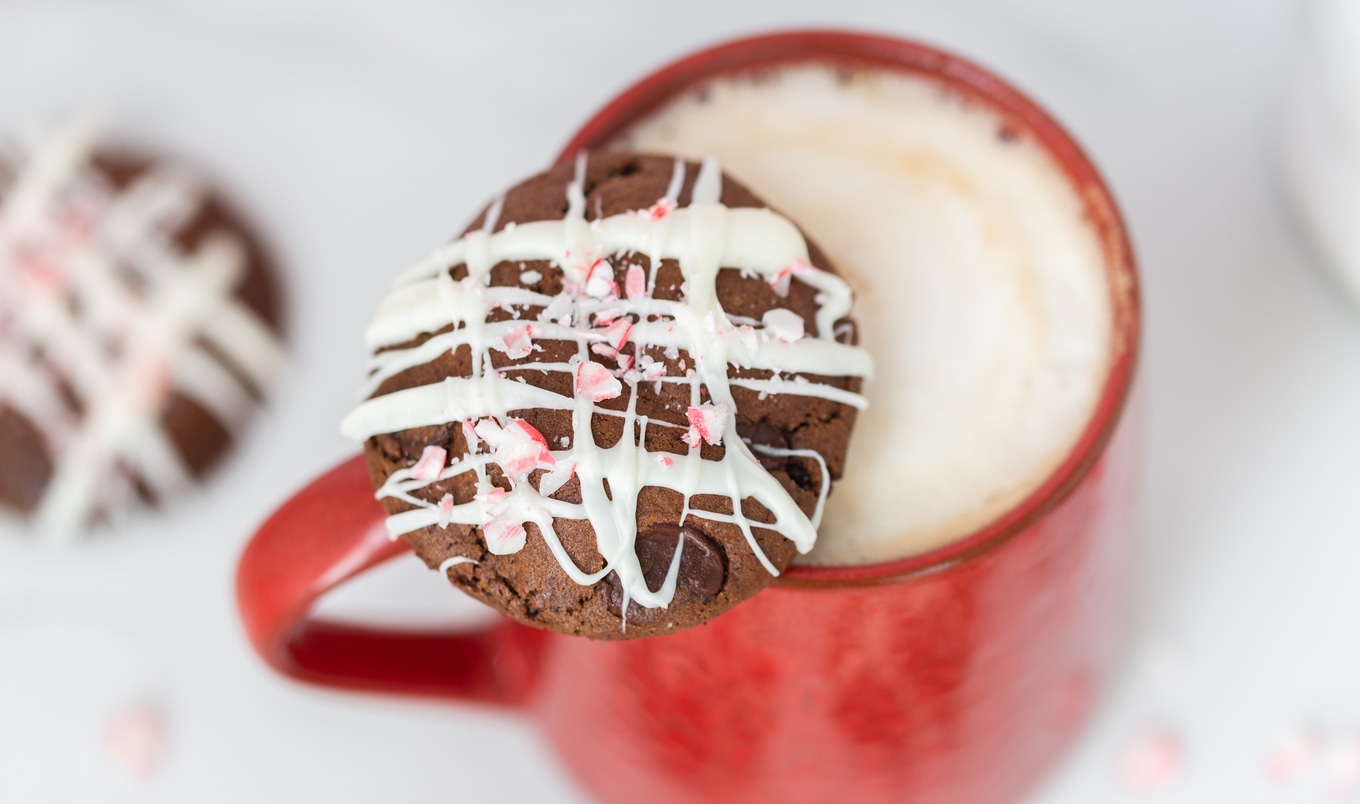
981, 287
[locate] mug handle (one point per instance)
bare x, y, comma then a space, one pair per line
327, 533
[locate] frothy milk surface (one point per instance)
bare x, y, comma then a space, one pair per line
981, 288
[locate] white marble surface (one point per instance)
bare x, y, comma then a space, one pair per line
360, 137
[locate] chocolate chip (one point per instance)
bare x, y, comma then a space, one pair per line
764, 434
703, 568
797, 471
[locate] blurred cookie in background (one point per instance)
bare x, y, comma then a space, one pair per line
139, 329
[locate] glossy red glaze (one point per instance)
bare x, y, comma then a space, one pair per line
955, 676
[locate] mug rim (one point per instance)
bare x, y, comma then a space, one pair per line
851, 49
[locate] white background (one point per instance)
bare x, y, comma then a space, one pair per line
360, 137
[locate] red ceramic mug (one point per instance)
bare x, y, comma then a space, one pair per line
959, 675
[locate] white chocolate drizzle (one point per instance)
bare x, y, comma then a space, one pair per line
600, 317
96, 296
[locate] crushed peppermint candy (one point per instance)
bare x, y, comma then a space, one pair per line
557, 477
707, 422
488, 430
616, 334
748, 337
1152, 760
1293, 752
559, 310
504, 536
491, 499
662, 208
596, 382
445, 510
530, 277
599, 281
520, 449
783, 278
135, 738
606, 315
605, 350
651, 369
780, 283
635, 283
1304, 755
430, 465
1341, 765
519, 342
470, 435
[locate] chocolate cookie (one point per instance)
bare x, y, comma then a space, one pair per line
621, 358
138, 328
